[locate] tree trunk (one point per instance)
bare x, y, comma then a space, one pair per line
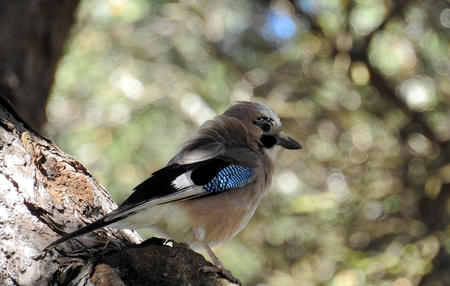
45, 193
33, 35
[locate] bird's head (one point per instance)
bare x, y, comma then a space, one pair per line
263, 124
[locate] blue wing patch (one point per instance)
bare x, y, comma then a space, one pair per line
230, 177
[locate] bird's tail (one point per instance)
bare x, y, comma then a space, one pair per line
88, 228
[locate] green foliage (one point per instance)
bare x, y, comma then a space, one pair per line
363, 85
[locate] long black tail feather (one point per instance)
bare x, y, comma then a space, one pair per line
88, 228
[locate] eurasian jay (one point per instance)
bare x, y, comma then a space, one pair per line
210, 189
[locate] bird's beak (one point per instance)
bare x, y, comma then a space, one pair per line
287, 142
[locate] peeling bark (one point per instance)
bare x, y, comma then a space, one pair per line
45, 193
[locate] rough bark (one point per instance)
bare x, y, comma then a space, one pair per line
45, 193
33, 35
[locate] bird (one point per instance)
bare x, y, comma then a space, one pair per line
210, 189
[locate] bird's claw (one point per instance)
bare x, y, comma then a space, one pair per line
225, 273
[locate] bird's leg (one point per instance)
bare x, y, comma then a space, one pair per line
211, 254
218, 266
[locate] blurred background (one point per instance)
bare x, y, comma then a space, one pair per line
363, 85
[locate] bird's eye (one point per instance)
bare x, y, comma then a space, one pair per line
265, 126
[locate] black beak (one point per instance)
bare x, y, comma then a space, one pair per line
288, 142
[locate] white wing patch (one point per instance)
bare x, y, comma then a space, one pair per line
183, 181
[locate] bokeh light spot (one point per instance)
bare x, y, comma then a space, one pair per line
402, 282
287, 181
196, 108
419, 144
373, 210
360, 74
362, 137
279, 26
337, 185
419, 93
445, 18
433, 187
349, 278
365, 19
127, 83
392, 54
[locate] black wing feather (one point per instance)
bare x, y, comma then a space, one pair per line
160, 183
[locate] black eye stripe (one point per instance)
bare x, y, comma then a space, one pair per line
268, 141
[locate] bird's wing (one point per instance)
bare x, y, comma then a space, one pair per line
183, 182
177, 182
